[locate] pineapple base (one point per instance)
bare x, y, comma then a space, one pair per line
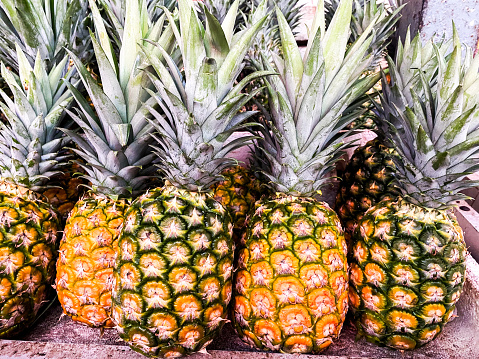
85, 265
291, 288
407, 273
28, 234
173, 273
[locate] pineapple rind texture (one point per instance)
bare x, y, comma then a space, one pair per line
28, 233
368, 179
85, 265
407, 273
291, 291
173, 272
237, 193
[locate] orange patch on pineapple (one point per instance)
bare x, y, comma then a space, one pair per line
209, 289
103, 257
263, 303
66, 277
268, 333
188, 307
243, 282
433, 313
130, 276
83, 267
261, 273
328, 326
226, 292
242, 310
401, 321
214, 315
152, 265
307, 250
295, 319
321, 302
182, 279
156, 294
339, 282
375, 274
284, 262
333, 259
94, 315
101, 236
5, 288
190, 335
165, 325
288, 290
356, 274
298, 344
70, 302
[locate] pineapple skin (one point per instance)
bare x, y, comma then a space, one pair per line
67, 191
28, 243
291, 287
238, 193
173, 272
368, 178
407, 273
85, 265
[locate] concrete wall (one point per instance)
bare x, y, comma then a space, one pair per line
438, 15
432, 17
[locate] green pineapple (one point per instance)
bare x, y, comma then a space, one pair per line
175, 253
291, 287
370, 175
29, 156
408, 262
115, 147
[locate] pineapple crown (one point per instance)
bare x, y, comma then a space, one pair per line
115, 15
29, 138
201, 107
411, 56
302, 139
116, 138
432, 109
365, 12
47, 26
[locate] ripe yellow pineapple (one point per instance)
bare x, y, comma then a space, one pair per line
115, 147
291, 287
85, 265
173, 274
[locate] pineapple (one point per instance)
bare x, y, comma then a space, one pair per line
237, 193
364, 13
66, 188
47, 26
115, 147
368, 179
370, 175
173, 273
29, 156
408, 264
291, 287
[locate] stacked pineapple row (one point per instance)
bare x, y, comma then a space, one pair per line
149, 90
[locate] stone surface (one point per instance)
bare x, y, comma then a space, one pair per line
438, 15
